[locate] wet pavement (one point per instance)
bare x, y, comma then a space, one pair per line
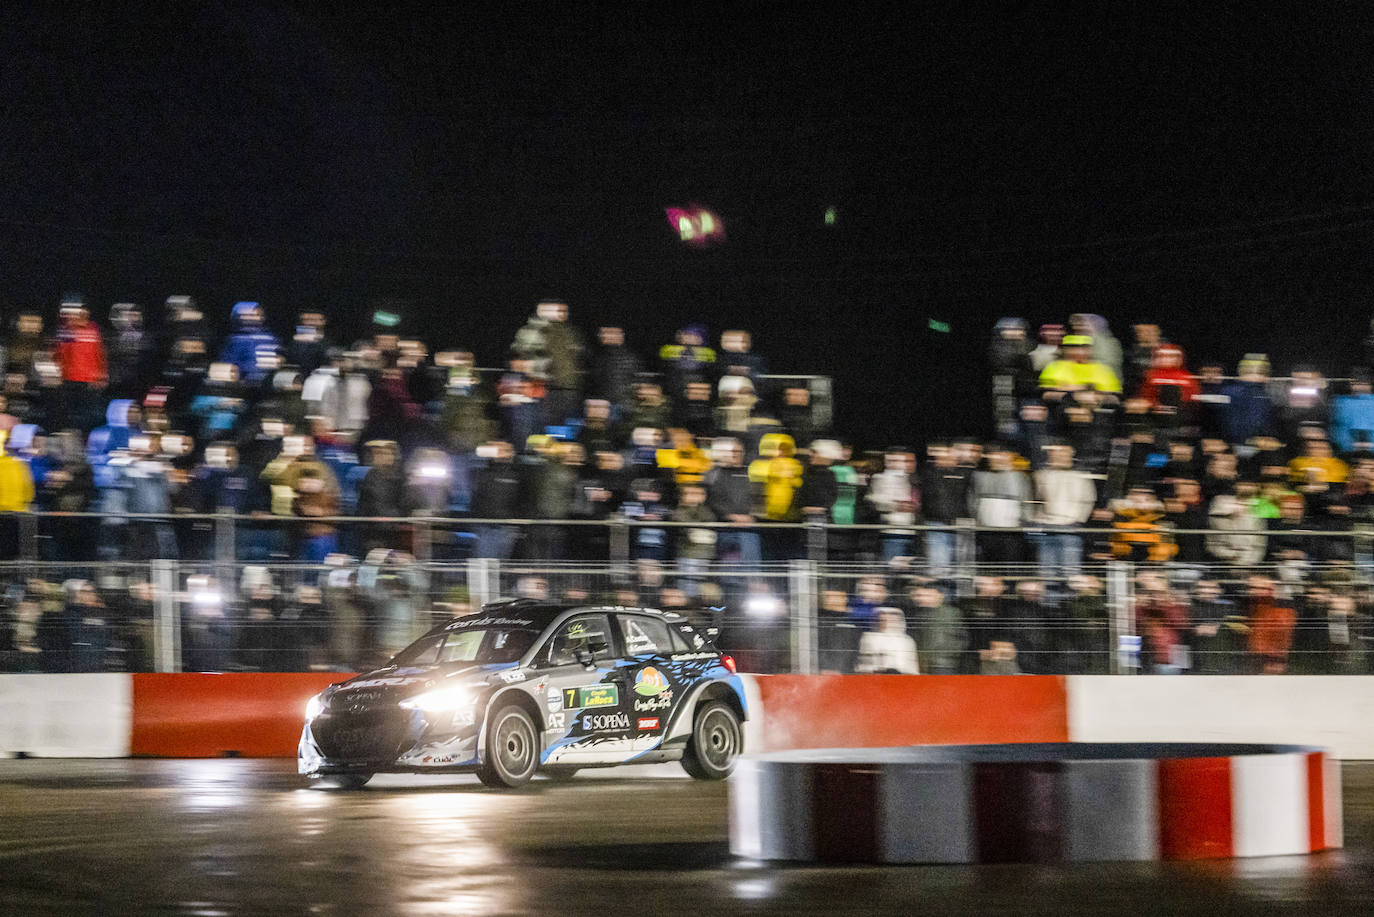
226, 837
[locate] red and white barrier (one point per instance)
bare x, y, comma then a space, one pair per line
1035, 803
261, 714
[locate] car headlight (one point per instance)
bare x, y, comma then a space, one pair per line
439, 701
314, 707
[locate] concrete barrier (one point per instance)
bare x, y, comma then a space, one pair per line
65, 716
260, 714
1330, 711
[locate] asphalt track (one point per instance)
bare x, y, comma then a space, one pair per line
224, 837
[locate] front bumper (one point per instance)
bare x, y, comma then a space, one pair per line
418, 752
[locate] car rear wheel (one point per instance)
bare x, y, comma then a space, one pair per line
561, 774
512, 751
716, 742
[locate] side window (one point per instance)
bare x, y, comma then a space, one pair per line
645, 636
579, 633
680, 644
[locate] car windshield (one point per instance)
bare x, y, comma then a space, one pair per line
480, 646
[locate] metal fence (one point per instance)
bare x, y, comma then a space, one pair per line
793, 616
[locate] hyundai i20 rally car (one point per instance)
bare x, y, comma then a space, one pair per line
525, 686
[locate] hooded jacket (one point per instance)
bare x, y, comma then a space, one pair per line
1167, 372
248, 340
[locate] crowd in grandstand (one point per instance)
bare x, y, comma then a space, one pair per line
1171, 466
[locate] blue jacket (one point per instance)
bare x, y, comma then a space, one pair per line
1348, 414
247, 341
1249, 413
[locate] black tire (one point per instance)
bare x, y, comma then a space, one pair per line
715, 743
559, 774
512, 748
343, 781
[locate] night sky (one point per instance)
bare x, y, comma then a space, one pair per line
1206, 166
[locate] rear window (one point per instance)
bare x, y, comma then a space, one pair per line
646, 636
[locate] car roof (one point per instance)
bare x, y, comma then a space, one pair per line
541, 614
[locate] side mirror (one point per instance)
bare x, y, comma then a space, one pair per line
586, 655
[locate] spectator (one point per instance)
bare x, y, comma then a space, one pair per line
945, 501
838, 635
1352, 415
615, 369
1048, 350
779, 475
1013, 379
382, 493
1065, 498
889, 649
1235, 537
695, 547
729, 494
1142, 357
1271, 621
130, 351
894, 495
251, 347
942, 638
496, 495
1164, 626
1085, 638
1219, 631
738, 363
80, 354
16, 496
309, 349
1106, 349
1076, 370
687, 359
1249, 411
998, 499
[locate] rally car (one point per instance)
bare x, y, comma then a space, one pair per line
525, 686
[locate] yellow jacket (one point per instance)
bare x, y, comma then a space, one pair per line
1066, 374
16, 485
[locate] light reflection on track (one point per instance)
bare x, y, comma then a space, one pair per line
244, 837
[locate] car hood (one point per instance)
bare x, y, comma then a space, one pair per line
395, 683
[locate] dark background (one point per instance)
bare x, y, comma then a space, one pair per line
1206, 166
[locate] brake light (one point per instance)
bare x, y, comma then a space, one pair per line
729, 662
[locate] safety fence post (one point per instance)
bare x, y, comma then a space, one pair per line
802, 578
1123, 641
166, 626
965, 556
484, 581
618, 541
28, 536
816, 538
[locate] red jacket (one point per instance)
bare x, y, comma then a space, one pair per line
81, 354
1168, 372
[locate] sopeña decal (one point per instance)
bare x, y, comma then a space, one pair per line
605, 722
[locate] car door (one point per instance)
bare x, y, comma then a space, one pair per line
586, 707
654, 681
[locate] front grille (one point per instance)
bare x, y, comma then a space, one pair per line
366, 735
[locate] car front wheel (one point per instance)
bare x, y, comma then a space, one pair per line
716, 742
512, 749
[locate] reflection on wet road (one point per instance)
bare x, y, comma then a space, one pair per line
245, 837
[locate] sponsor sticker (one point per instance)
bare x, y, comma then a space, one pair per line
511, 676
649, 682
555, 699
557, 721
463, 623
591, 696
605, 722
648, 705
647, 723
